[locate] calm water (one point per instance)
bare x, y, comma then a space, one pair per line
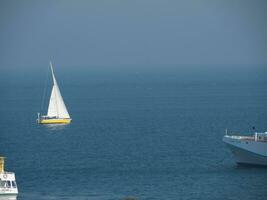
149, 133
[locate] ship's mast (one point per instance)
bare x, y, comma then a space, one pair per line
2, 164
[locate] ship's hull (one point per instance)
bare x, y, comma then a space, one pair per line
54, 121
8, 196
249, 152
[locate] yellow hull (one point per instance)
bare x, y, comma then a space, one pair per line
54, 121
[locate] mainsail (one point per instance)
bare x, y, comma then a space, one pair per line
56, 106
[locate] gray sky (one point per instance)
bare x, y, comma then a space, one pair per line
132, 32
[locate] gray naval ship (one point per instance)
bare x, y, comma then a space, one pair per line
249, 150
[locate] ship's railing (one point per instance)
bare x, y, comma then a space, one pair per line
242, 137
258, 138
7, 173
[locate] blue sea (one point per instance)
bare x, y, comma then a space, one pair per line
151, 133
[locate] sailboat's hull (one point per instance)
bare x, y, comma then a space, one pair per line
54, 121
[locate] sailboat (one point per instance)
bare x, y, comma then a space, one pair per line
57, 112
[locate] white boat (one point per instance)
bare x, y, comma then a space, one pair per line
8, 184
57, 112
251, 150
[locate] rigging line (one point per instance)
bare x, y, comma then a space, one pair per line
45, 89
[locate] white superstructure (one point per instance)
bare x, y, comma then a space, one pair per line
248, 149
8, 184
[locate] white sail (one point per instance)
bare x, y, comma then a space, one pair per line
52, 108
56, 106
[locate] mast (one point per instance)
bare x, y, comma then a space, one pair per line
2, 164
54, 84
53, 75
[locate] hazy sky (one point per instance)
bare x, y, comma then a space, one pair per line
132, 32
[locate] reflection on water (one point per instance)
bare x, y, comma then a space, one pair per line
56, 127
8, 197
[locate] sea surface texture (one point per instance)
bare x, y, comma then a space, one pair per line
151, 133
